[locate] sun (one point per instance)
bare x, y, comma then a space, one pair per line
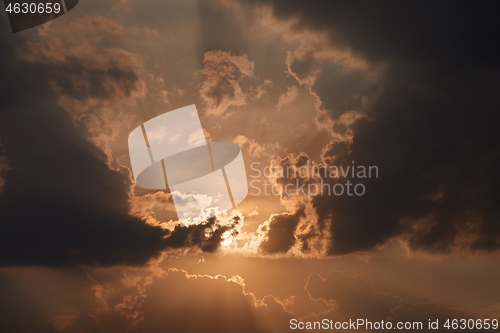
226, 238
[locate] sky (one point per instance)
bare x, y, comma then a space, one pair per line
403, 90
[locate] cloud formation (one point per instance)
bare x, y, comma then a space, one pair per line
430, 124
224, 83
288, 97
61, 202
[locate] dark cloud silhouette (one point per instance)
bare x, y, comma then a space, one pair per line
432, 129
196, 235
281, 232
394, 32
61, 204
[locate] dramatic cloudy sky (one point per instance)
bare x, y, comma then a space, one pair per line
408, 88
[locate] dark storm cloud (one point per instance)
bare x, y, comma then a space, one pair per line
220, 29
196, 235
61, 204
420, 32
341, 89
79, 82
432, 131
281, 232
